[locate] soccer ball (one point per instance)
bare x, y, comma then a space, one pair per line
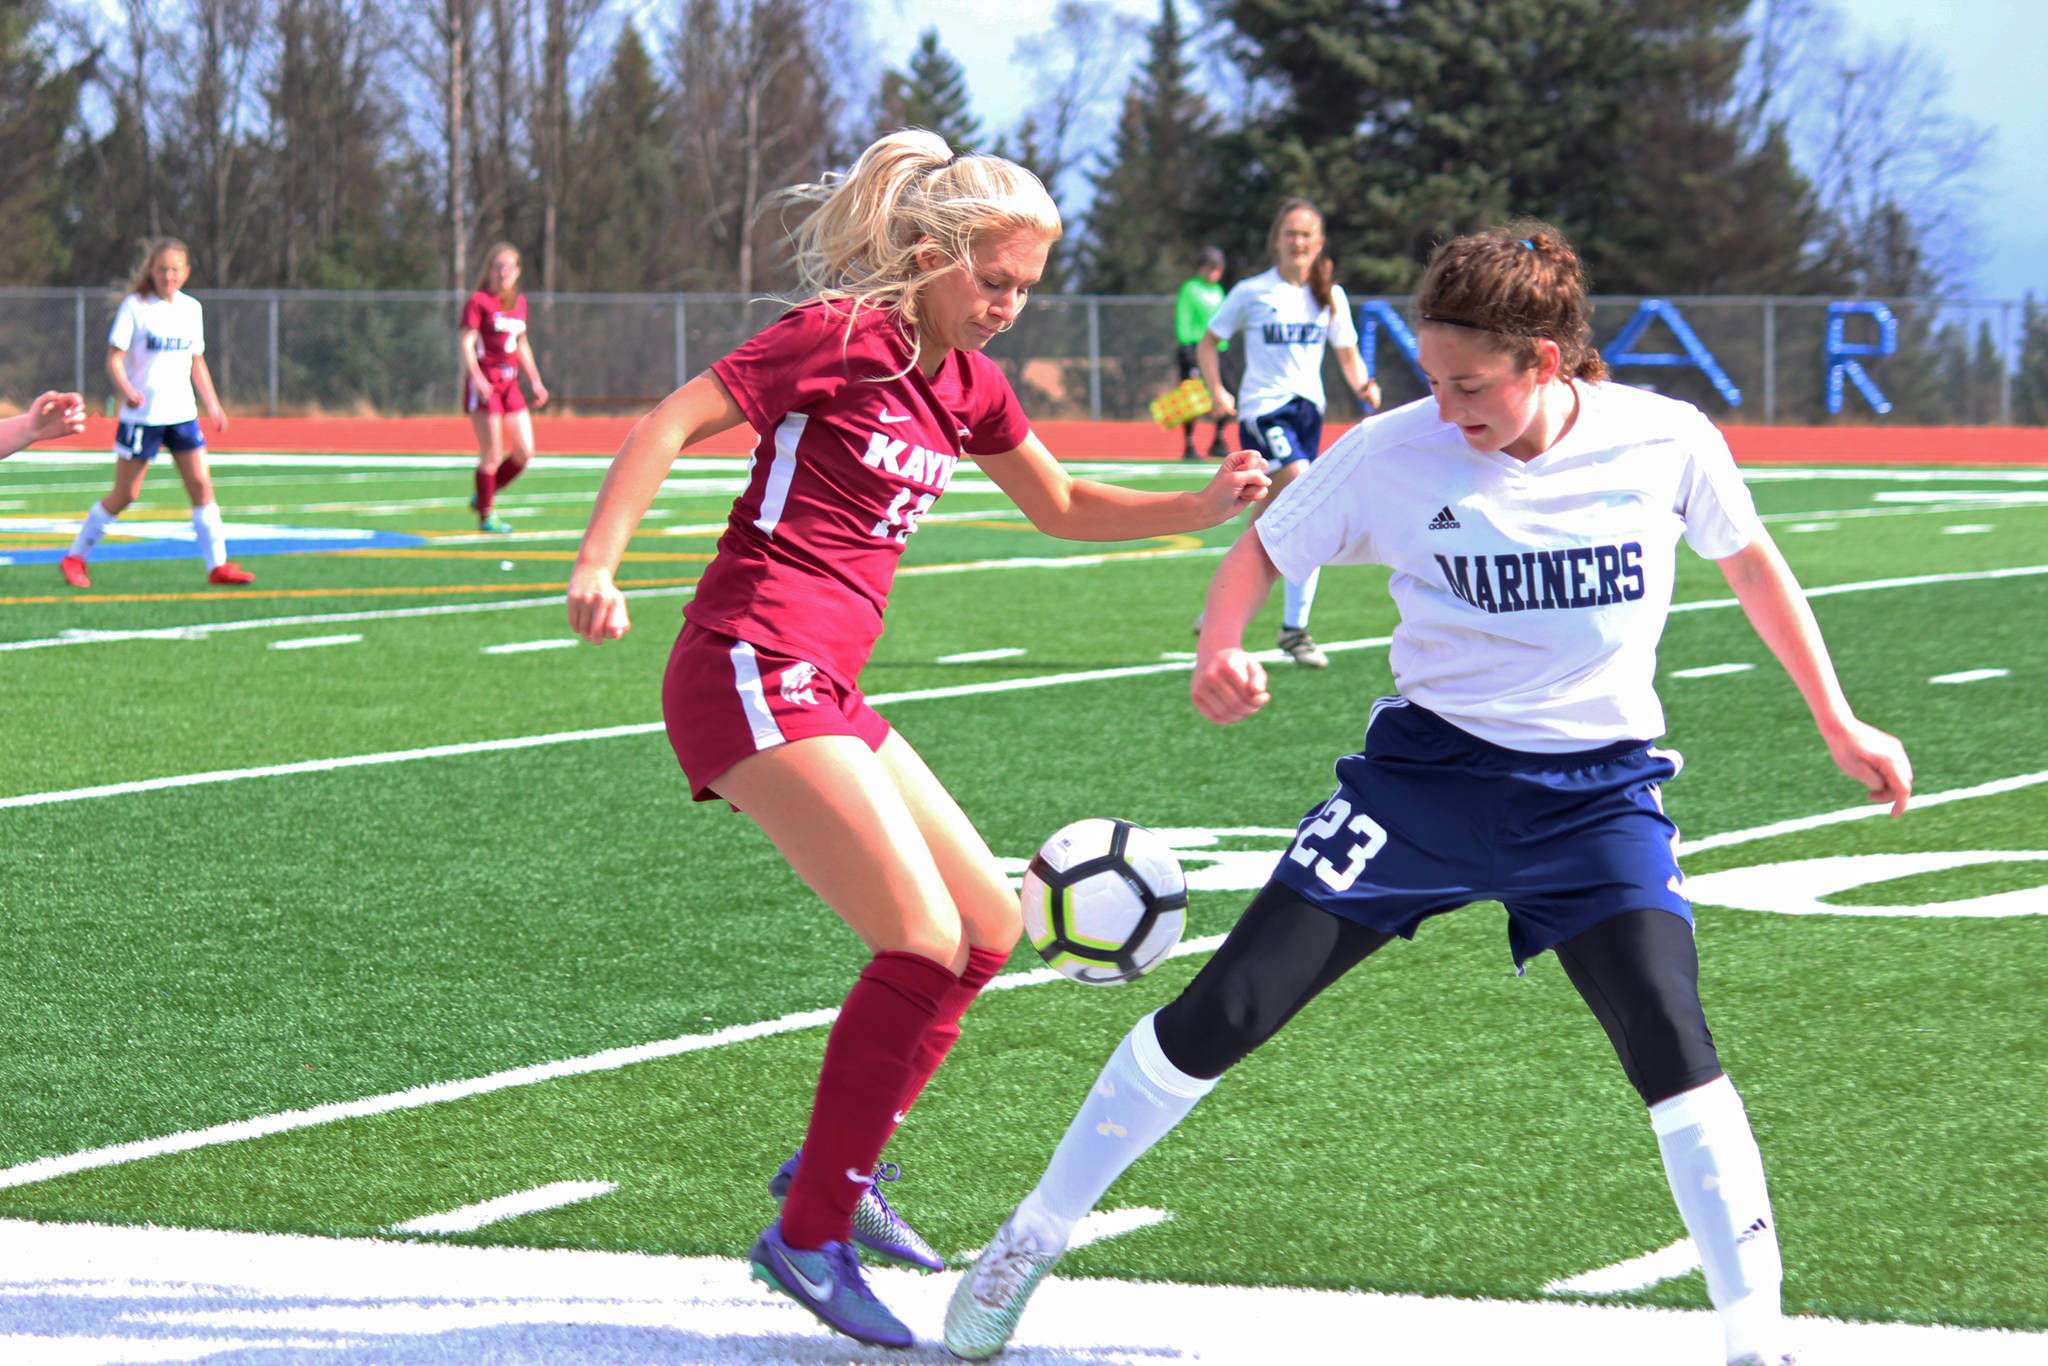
1104, 901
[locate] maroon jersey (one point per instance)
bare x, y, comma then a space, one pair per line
498, 330
848, 460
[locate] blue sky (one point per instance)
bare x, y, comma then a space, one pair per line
1992, 49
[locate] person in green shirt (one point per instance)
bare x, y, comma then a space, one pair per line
1201, 294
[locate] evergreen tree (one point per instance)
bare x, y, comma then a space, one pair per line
1410, 123
615, 221
2030, 374
1156, 184
38, 110
932, 94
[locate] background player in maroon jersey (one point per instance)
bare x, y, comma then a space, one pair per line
864, 399
494, 350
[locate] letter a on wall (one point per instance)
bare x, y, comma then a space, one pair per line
1621, 351
1842, 353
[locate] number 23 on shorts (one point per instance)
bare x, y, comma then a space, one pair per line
1337, 817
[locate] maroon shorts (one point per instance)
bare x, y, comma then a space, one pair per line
503, 396
724, 699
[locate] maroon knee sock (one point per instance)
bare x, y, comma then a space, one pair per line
868, 1060
486, 490
982, 966
508, 470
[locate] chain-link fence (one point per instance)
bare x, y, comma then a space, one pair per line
1753, 359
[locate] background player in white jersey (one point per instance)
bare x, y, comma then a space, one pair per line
1288, 315
156, 357
49, 414
1530, 514
864, 400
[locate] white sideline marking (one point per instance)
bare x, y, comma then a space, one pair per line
603, 733
981, 656
1859, 813
522, 646
313, 642
1095, 1226
1971, 676
469, 1218
1712, 670
1809, 526
83, 1295
1968, 529
1637, 1273
43, 1169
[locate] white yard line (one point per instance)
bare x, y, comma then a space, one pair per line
469, 1218
43, 1169
313, 642
1637, 1273
87, 1295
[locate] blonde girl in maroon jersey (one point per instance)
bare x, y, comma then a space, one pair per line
495, 350
864, 399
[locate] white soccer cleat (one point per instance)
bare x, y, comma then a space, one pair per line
990, 1298
1299, 646
1772, 1359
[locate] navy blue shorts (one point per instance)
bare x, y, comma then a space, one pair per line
134, 441
1428, 818
1292, 431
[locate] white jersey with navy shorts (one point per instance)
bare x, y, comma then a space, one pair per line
1516, 764
1280, 400
158, 339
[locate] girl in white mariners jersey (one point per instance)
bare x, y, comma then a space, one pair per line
1288, 315
864, 399
156, 357
1530, 515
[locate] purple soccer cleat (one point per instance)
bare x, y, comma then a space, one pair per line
828, 1282
876, 1227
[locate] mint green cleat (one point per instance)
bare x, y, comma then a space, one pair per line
990, 1298
494, 524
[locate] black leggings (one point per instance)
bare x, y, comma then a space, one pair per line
1639, 972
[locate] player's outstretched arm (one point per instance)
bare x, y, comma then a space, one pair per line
1229, 684
51, 414
1207, 359
1771, 599
1088, 510
701, 408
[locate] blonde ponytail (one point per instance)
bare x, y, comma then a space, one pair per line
859, 243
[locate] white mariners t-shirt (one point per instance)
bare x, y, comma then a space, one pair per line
159, 338
1284, 335
1532, 594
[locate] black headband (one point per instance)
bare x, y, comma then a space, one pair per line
1458, 322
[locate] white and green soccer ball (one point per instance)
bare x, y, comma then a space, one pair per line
1104, 901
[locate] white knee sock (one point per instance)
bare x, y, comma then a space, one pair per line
212, 536
97, 520
1296, 598
1717, 1178
1138, 1098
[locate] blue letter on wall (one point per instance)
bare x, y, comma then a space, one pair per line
1371, 314
1842, 362
1619, 352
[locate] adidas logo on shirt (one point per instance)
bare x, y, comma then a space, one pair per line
1444, 521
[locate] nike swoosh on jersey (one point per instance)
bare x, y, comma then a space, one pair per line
895, 417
